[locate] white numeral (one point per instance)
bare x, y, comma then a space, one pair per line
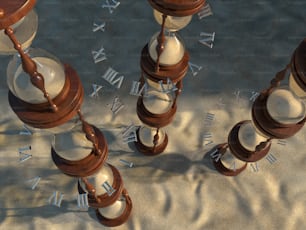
254, 96
209, 119
96, 89
108, 188
282, 142
26, 131
170, 86
82, 201
136, 90
117, 105
271, 158
208, 40
97, 27
127, 163
192, 66
34, 182
129, 134
24, 156
111, 6
254, 167
215, 155
99, 55
111, 77
205, 11
56, 199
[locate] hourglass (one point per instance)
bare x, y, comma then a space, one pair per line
107, 195
164, 63
46, 94
277, 113
43, 92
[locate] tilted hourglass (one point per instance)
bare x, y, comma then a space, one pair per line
164, 63
46, 94
277, 113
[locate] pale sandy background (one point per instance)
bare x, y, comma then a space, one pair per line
178, 189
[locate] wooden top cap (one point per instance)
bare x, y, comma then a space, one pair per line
178, 8
12, 11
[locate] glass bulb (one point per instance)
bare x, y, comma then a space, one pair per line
157, 102
20, 84
24, 30
114, 210
173, 52
172, 23
229, 160
248, 137
285, 107
146, 135
72, 145
97, 179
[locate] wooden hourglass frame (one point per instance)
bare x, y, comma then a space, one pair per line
159, 73
263, 120
56, 111
59, 110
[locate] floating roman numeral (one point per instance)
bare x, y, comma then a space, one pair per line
24, 156
207, 138
271, 158
205, 11
253, 96
129, 134
117, 105
26, 131
111, 5
136, 90
282, 142
98, 55
254, 167
56, 199
209, 119
237, 95
111, 77
192, 67
96, 89
208, 39
169, 87
108, 188
34, 182
233, 166
82, 201
97, 27
220, 103
127, 163
215, 155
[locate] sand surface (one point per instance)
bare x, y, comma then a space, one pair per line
179, 189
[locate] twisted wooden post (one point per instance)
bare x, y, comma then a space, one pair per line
29, 66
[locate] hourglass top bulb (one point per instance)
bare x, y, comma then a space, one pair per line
172, 23
18, 15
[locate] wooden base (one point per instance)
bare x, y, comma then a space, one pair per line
150, 150
239, 151
104, 199
40, 115
113, 222
177, 8
84, 167
173, 72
